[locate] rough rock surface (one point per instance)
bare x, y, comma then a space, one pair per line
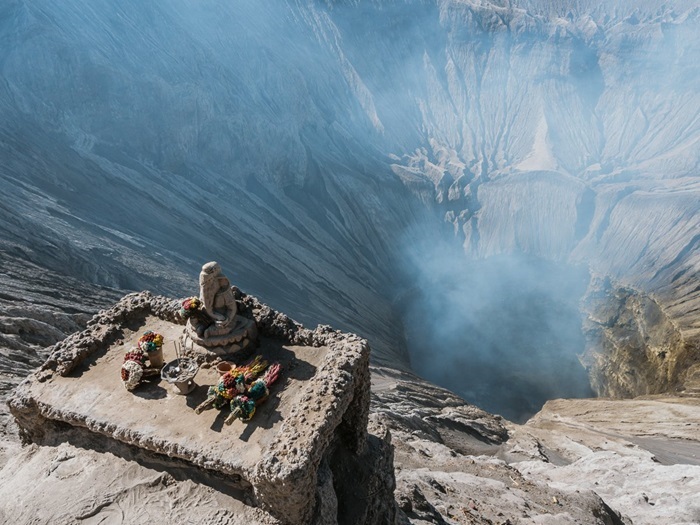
634, 347
642, 456
449, 468
588, 461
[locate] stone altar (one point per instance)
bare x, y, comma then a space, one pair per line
305, 455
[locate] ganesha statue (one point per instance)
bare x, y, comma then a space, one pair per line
213, 323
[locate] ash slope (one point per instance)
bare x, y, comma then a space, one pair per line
141, 139
299, 143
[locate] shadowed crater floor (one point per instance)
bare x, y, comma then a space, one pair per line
504, 333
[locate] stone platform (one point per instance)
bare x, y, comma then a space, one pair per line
319, 406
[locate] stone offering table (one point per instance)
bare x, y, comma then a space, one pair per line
318, 407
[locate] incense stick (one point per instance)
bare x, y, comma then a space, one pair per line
177, 355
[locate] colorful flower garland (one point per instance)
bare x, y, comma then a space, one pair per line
240, 389
190, 306
244, 405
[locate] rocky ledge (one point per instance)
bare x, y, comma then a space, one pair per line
580, 461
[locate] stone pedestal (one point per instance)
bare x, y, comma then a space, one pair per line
239, 342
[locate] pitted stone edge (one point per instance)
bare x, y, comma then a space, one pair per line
103, 329
285, 478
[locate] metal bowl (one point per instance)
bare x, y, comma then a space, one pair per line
180, 373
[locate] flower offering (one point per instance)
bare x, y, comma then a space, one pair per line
152, 343
190, 306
